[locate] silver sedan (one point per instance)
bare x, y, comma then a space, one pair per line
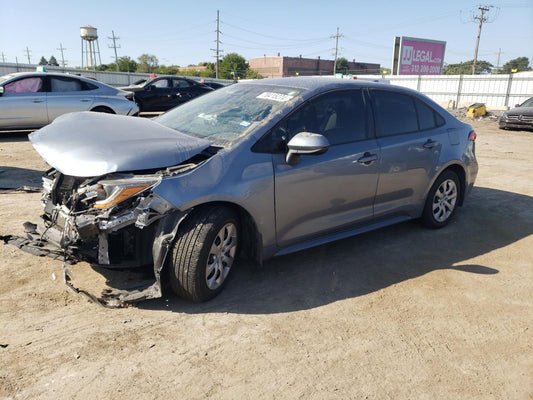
257, 170
33, 100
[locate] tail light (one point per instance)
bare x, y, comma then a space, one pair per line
472, 136
129, 96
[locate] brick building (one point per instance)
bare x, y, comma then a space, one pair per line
277, 67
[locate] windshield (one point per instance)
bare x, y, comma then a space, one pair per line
527, 103
225, 115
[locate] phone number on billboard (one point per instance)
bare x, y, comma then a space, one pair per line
433, 69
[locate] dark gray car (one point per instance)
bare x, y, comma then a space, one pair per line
520, 117
255, 170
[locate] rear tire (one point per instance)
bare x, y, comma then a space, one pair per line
203, 253
442, 201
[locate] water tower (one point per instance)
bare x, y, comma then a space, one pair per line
89, 51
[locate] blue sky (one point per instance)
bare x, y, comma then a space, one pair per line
183, 32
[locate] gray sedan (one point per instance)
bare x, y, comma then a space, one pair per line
255, 170
32, 100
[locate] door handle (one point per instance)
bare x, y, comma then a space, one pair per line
367, 158
430, 144
37, 100
85, 100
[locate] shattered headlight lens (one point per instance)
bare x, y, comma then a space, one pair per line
114, 191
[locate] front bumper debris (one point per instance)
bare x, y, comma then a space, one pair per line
114, 298
110, 298
138, 289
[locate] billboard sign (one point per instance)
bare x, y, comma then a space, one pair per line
413, 56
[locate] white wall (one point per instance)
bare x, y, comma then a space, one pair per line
496, 91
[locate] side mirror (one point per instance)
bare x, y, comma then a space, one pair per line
305, 143
1, 90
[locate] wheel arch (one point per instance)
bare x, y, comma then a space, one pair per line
459, 170
251, 240
104, 109
461, 174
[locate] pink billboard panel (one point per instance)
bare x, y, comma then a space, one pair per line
421, 57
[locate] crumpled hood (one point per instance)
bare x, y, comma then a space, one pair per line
89, 144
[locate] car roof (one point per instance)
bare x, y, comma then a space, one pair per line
102, 85
46, 73
172, 76
321, 83
60, 74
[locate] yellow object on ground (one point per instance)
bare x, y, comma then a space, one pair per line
476, 110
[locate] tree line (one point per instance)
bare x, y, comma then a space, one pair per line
232, 66
484, 67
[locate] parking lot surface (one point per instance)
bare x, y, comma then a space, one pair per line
399, 313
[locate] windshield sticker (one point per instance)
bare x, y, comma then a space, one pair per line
282, 98
245, 124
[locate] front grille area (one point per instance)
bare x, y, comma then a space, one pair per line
520, 118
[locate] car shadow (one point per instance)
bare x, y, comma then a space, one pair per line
12, 178
15, 136
491, 219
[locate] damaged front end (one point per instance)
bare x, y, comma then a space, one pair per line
113, 221
99, 201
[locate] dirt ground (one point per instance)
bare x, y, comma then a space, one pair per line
399, 313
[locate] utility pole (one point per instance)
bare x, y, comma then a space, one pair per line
3, 57
336, 37
482, 18
499, 54
114, 47
61, 48
217, 50
28, 54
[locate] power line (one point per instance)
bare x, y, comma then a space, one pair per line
277, 45
114, 38
270, 36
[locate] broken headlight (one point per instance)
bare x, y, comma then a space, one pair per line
110, 192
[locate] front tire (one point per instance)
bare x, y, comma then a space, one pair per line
203, 253
442, 201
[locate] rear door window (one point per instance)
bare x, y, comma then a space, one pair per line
394, 113
64, 84
180, 83
427, 117
161, 83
